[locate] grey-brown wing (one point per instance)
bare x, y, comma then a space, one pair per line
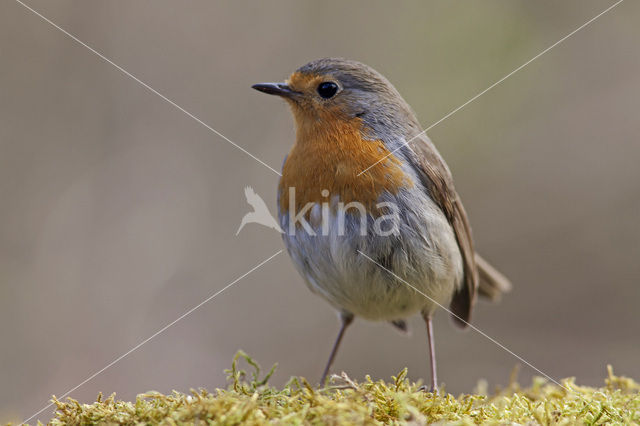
436, 177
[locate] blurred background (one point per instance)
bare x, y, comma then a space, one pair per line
118, 212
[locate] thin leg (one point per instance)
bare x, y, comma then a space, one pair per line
432, 353
346, 319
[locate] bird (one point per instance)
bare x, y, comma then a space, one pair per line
260, 213
368, 208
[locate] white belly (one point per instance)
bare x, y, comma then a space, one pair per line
423, 256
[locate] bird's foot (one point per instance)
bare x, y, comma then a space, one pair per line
428, 389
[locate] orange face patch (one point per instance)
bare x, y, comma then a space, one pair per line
328, 155
304, 82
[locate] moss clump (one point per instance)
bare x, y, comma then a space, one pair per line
250, 400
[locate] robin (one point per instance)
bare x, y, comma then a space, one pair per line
370, 215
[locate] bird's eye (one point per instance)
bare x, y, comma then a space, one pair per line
327, 89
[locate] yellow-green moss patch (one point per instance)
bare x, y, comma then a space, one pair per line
250, 400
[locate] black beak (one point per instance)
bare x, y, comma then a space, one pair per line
279, 89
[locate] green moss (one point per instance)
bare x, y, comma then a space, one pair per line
250, 400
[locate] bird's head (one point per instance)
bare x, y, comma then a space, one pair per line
328, 90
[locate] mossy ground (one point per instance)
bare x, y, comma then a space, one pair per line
250, 400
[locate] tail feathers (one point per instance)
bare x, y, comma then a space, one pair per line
491, 282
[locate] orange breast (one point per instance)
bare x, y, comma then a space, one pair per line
328, 155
